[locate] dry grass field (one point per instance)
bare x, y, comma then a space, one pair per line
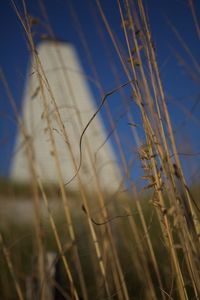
140, 242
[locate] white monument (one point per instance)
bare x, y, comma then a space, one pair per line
76, 106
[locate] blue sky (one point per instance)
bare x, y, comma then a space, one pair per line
182, 91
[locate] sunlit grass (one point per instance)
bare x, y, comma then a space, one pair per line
141, 243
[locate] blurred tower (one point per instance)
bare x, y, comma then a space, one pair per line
76, 106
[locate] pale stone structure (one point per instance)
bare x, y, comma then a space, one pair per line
71, 92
